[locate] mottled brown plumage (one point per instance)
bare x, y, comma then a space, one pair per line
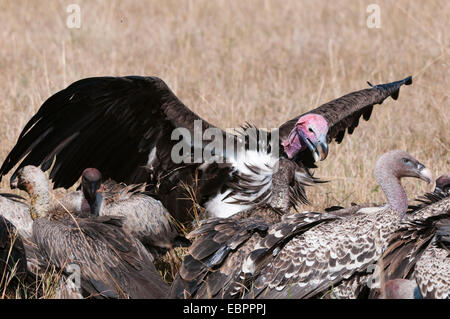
432, 272
416, 251
335, 253
121, 124
145, 217
15, 209
212, 268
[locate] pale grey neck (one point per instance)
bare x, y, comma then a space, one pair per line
394, 191
40, 201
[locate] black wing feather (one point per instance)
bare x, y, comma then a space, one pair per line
344, 112
111, 123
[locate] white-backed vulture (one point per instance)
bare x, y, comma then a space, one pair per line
123, 126
112, 264
145, 218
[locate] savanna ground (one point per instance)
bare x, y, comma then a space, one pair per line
263, 62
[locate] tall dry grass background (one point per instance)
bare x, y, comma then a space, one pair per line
257, 61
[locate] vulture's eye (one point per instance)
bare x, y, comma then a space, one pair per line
406, 161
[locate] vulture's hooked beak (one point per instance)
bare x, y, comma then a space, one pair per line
93, 191
322, 147
90, 190
301, 138
318, 148
13, 183
424, 173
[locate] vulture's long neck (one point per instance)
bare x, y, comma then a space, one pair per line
40, 200
96, 205
392, 188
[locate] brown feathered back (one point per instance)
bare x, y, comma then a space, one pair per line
112, 264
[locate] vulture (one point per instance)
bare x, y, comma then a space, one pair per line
145, 218
13, 262
303, 255
211, 269
134, 129
418, 251
111, 263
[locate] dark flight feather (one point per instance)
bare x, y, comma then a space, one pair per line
112, 264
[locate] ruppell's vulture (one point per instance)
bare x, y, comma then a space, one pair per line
145, 218
419, 250
333, 252
111, 263
120, 125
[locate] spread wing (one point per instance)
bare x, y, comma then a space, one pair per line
115, 124
345, 112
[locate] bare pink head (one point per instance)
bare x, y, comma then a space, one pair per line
310, 132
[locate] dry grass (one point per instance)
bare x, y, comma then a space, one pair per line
257, 61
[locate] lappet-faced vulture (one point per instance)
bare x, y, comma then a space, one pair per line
120, 125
